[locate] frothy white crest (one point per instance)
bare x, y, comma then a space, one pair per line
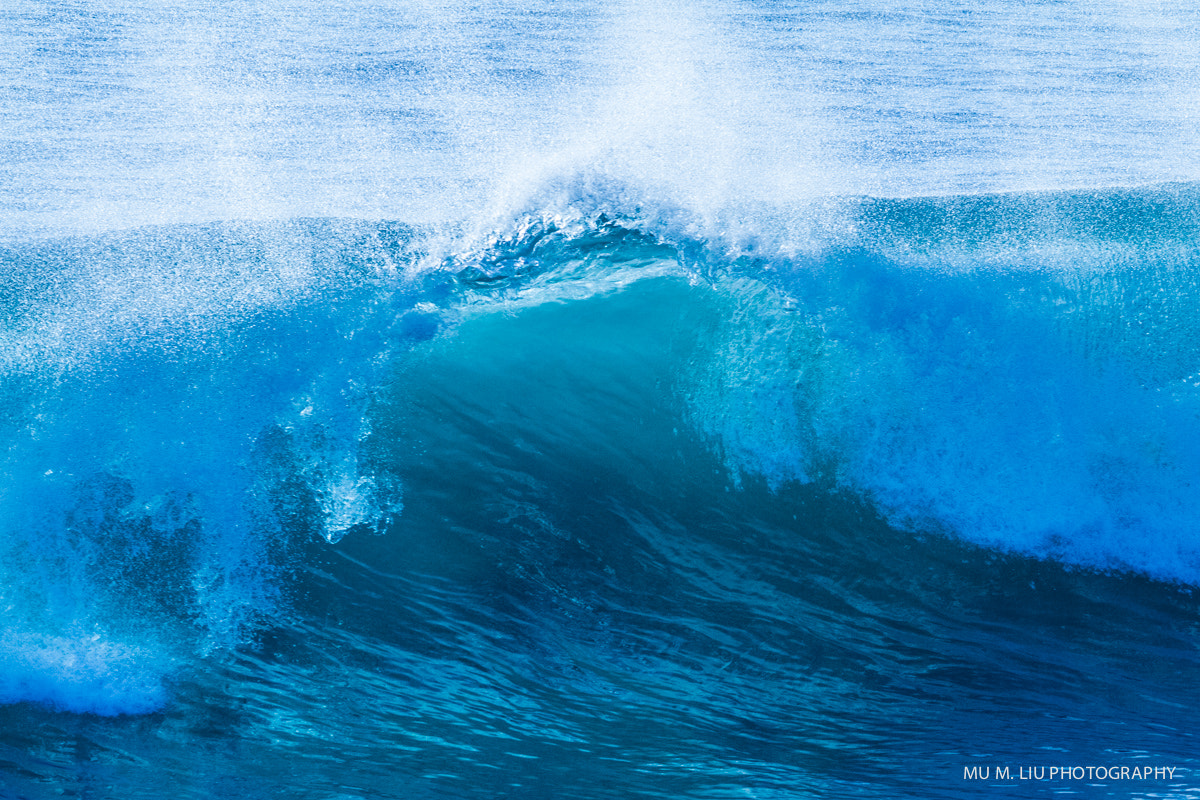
686, 128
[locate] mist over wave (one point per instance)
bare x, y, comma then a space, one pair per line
453, 114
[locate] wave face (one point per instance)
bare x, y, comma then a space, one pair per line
705, 400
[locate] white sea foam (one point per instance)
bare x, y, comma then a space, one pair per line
83, 672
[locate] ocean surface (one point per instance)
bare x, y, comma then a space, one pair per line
445, 400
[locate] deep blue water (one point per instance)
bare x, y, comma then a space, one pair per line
680, 400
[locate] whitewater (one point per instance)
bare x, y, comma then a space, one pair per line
683, 399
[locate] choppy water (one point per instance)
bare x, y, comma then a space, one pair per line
647, 400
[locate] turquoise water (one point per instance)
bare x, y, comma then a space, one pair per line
692, 400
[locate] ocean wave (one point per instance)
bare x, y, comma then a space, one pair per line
190, 408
